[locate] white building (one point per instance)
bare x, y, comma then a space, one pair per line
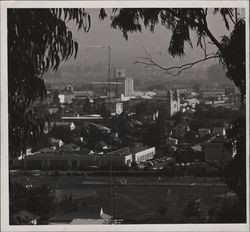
171, 141
66, 97
126, 86
48, 126
115, 108
141, 154
192, 102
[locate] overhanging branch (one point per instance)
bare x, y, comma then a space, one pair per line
172, 70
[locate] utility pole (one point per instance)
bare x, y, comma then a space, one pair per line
109, 71
111, 186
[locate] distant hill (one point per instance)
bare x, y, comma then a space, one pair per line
83, 74
216, 74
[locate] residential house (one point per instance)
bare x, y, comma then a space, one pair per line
219, 131
171, 141
48, 125
203, 132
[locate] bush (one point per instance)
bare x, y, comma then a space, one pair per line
37, 200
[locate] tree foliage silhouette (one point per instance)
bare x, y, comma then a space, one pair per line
38, 40
180, 22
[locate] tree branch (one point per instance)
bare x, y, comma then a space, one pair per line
213, 39
148, 61
201, 26
231, 17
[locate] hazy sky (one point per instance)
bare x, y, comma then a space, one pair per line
125, 53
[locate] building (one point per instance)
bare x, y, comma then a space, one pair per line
141, 154
218, 151
113, 105
115, 108
125, 86
69, 88
203, 132
66, 97
59, 160
56, 142
77, 159
119, 158
167, 104
48, 125
83, 118
174, 102
219, 131
84, 94
103, 129
52, 109
171, 141
213, 93
191, 102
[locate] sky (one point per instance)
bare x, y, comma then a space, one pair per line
125, 53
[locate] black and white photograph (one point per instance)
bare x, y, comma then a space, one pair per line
125, 113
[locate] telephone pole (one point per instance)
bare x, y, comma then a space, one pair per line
109, 71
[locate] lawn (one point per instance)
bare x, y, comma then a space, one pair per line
142, 199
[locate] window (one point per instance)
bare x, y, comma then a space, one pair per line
74, 164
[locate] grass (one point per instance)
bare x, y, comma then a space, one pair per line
131, 202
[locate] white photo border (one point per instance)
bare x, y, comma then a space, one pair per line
4, 5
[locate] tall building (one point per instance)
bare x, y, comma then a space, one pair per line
173, 102
125, 84
167, 104
129, 86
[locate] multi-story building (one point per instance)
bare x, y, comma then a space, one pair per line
125, 86
174, 102
74, 159
78, 159
168, 104
66, 97
141, 154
